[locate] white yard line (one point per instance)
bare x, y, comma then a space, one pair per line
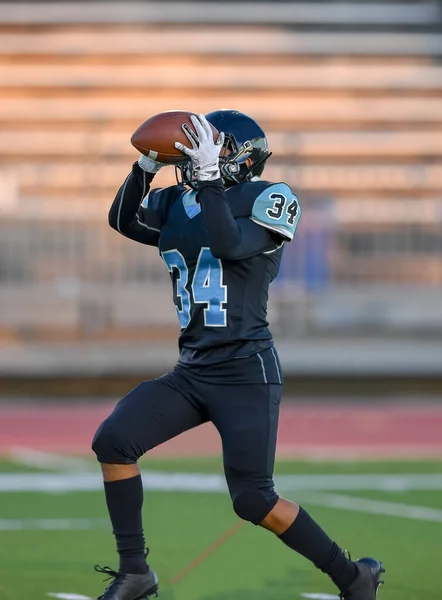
51, 524
70, 596
47, 460
91, 482
320, 596
386, 482
378, 507
215, 483
67, 596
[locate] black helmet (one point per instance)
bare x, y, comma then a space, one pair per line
244, 139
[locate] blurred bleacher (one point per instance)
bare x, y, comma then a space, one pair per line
350, 94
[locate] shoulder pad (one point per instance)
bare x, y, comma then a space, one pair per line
277, 208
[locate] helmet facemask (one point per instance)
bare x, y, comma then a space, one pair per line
232, 162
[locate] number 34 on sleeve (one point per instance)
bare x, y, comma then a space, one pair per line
278, 209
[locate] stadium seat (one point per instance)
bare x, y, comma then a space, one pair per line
350, 100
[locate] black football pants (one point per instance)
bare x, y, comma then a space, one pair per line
246, 416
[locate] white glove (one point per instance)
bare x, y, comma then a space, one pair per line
204, 152
149, 165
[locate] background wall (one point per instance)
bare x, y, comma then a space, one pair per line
350, 94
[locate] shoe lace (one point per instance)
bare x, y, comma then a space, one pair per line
111, 574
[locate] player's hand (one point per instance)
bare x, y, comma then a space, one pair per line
149, 165
204, 152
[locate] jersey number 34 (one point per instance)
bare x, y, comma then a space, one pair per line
277, 210
207, 287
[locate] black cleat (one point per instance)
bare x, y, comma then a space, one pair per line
367, 581
127, 586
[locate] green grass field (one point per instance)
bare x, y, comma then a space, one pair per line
250, 565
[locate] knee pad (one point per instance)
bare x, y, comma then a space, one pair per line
254, 505
112, 446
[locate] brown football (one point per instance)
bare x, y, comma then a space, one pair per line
156, 137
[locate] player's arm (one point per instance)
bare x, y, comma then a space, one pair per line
130, 213
230, 238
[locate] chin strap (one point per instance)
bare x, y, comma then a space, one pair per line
247, 175
257, 164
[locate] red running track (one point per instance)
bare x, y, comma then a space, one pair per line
307, 429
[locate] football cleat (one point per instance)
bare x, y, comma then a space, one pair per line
367, 581
129, 586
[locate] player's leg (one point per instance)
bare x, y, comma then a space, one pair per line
246, 417
293, 525
152, 413
247, 420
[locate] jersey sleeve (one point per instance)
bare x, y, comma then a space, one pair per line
151, 211
277, 209
137, 212
230, 238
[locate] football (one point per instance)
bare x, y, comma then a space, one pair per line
156, 137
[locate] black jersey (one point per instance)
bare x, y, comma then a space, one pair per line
220, 283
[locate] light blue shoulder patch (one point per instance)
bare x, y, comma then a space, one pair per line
190, 204
153, 200
277, 208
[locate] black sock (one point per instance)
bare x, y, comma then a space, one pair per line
306, 537
124, 500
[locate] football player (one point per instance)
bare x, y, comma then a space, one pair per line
221, 233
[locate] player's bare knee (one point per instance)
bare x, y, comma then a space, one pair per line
254, 505
112, 445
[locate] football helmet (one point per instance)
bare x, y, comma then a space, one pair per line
244, 139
